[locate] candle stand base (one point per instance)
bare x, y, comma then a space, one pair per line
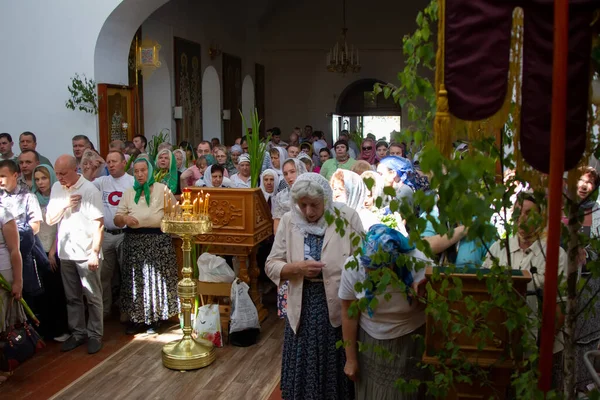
188, 353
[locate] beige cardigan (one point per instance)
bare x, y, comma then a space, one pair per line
289, 247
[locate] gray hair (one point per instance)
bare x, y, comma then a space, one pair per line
308, 189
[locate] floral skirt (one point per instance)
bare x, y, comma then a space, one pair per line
149, 280
312, 367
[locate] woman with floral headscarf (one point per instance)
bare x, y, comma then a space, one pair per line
166, 170
398, 172
149, 281
309, 253
392, 325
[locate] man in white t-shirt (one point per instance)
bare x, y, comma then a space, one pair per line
76, 205
112, 188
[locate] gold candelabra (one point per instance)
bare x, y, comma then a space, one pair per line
187, 220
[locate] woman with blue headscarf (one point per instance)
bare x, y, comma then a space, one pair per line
398, 172
149, 280
392, 324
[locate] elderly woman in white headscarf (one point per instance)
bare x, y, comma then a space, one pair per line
310, 254
269, 184
181, 159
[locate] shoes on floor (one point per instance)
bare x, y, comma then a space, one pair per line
94, 345
152, 329
62, 338
133, 328
72, 343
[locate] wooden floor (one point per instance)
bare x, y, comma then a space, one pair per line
136, 372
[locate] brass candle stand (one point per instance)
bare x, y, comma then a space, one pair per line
187, 220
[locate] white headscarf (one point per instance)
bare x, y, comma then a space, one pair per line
356, 190
377, 188
208, 178
283, 155
275, 176
317, 228
184, 156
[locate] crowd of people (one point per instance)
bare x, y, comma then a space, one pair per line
89, 227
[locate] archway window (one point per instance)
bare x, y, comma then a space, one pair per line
360, 110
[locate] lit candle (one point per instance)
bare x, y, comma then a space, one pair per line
165, 198
195, 206
207, 202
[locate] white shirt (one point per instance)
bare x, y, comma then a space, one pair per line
391, 319
112, 190
526, 259
75, 230
5, 218
237, 182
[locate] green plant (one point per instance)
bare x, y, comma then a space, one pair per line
257, 148
156, 141
461, 189
83, 95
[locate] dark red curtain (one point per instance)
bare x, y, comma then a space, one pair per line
477, 35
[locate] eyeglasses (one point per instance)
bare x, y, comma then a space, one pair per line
368, 148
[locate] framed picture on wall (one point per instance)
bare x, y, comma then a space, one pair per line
116, 114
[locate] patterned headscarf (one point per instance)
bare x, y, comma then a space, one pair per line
169, 175
370, 157
403, 168
381, 248
145, 188
316, 228
43, 200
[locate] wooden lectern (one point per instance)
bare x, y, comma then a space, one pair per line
495, 355
241, 221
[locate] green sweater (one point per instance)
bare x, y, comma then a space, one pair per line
332, 165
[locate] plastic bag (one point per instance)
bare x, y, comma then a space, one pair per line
243, 311
208, 324
213, 268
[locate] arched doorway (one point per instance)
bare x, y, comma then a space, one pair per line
358, 109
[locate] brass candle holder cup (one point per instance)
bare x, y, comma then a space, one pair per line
187, 220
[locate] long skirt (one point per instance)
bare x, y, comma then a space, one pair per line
312, 367
379, 371
149, 281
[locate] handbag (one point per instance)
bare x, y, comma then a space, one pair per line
19, 343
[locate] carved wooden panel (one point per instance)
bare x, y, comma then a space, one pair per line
240, 217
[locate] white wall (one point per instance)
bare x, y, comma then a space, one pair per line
295, 42
211, 105
44, 43
158, 87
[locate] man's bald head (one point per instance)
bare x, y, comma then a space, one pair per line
66, 170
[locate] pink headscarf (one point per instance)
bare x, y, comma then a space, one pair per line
368, 155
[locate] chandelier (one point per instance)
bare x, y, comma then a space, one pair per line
341, 58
